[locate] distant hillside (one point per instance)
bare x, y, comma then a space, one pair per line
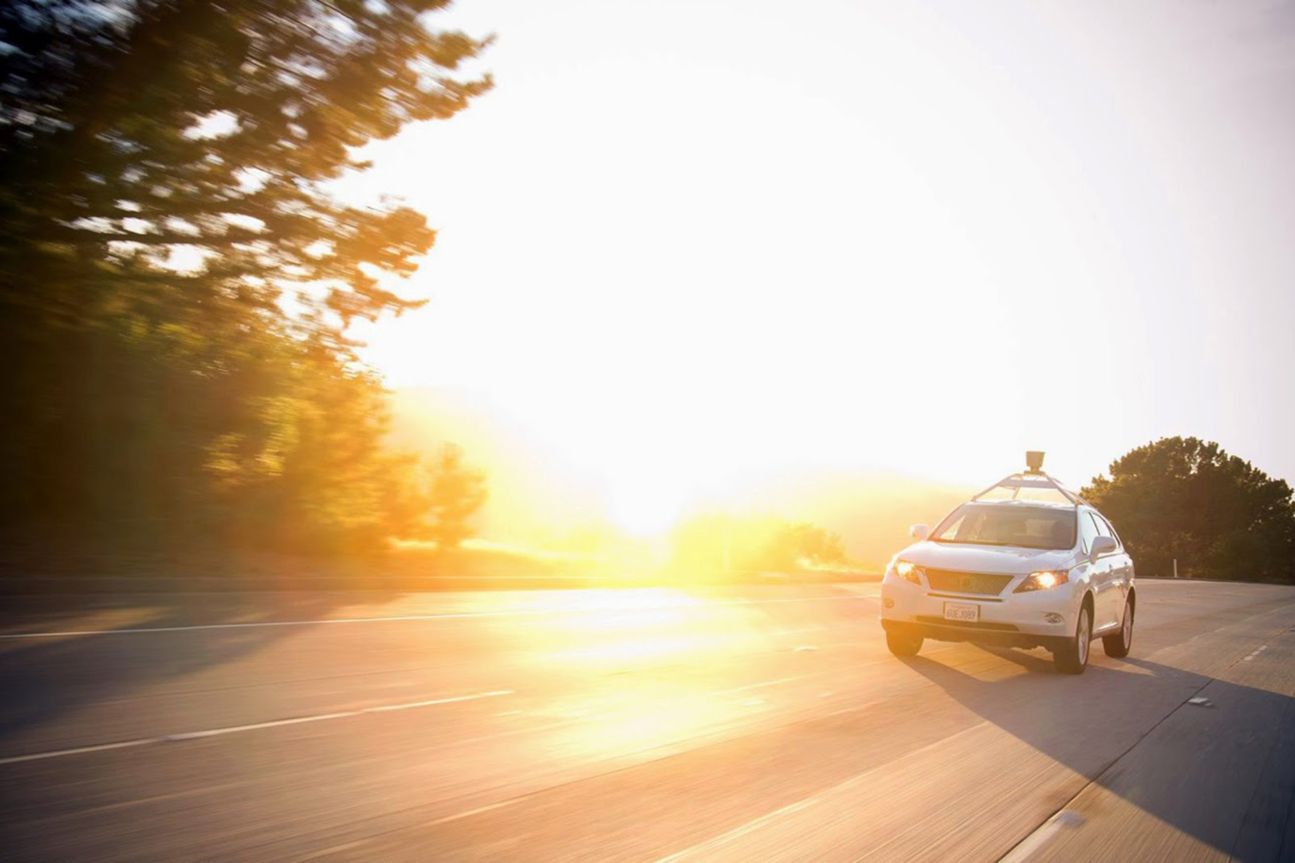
538, 498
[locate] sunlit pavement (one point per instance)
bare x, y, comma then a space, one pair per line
751, 723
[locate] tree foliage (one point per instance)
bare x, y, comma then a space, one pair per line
717, 544
177, 278
457, 492
1217, 514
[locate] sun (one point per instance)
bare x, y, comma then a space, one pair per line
643, 502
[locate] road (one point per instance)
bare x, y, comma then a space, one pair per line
755, 723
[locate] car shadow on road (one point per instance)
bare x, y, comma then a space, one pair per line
46, 677
1222, 772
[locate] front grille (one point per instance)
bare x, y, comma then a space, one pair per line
968, 624
966, 582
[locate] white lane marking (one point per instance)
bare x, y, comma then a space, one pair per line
99, 747
453, 615
710, 846
490, 807
1042, 836
1255, 653
384, 708
254, 726
855, 709
535, 729
760, 685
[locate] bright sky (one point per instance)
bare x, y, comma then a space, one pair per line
684, 242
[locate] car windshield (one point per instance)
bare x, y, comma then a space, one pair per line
1020, 526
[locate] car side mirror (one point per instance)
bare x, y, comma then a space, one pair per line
1102, 545
919, 531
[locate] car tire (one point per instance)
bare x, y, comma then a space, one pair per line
1118, 645
903, 643
1071, 656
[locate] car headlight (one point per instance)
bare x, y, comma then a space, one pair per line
909, 571
1045, 580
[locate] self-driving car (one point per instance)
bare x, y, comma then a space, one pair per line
1024, 563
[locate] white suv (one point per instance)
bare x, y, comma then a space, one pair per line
1019, 572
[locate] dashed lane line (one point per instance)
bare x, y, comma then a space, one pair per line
709, 847
254, 726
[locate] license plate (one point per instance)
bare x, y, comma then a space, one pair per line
963, 611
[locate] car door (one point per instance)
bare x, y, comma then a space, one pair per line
1110, 599
1121, 568
1087, 533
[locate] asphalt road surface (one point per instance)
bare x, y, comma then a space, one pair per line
761, 723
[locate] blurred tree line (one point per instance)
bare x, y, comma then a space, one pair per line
1187, 499
177, 281
717, 545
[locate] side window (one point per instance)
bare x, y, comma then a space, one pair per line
1104, 528
1087, 531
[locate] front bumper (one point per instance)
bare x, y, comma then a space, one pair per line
1037, 618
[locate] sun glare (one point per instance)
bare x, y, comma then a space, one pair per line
647, 510
698, 290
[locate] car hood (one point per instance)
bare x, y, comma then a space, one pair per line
1005, 560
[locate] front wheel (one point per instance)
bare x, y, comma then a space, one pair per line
903, 643
1118, 644
1071, 657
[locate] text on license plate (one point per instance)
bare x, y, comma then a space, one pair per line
961, 611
